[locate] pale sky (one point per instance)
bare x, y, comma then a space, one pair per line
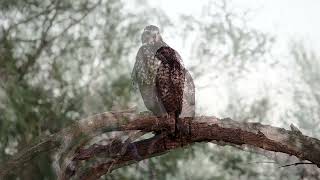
286, 19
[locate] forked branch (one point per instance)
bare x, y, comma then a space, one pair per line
118, 153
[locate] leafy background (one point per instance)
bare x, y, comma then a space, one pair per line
63, 60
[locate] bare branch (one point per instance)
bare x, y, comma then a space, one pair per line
225, 130
117, 154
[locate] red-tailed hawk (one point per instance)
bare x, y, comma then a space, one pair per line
165, 85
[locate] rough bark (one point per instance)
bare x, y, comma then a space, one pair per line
117, 153
203, 129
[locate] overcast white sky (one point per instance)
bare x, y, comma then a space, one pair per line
286, 19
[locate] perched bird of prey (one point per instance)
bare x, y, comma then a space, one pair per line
165, 85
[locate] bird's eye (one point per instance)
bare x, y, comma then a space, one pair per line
147, 33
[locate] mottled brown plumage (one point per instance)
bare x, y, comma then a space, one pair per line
170, 81
145, 69
165, 85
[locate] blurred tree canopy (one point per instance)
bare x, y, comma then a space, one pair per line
307, 88
60, 60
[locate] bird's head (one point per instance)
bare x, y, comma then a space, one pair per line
151, 35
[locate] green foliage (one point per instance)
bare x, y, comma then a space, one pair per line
57, 58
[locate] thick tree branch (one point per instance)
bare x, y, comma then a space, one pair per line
203, 129
88, 127
117, 153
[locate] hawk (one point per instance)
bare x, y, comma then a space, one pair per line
165, 85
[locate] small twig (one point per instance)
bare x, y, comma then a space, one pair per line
265, 162
296, 164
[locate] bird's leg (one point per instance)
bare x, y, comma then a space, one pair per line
180, 130
172, 124
178, 125
182, 127
183, 130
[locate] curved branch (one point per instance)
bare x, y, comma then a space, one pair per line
117, 154
88, 127
203, 129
